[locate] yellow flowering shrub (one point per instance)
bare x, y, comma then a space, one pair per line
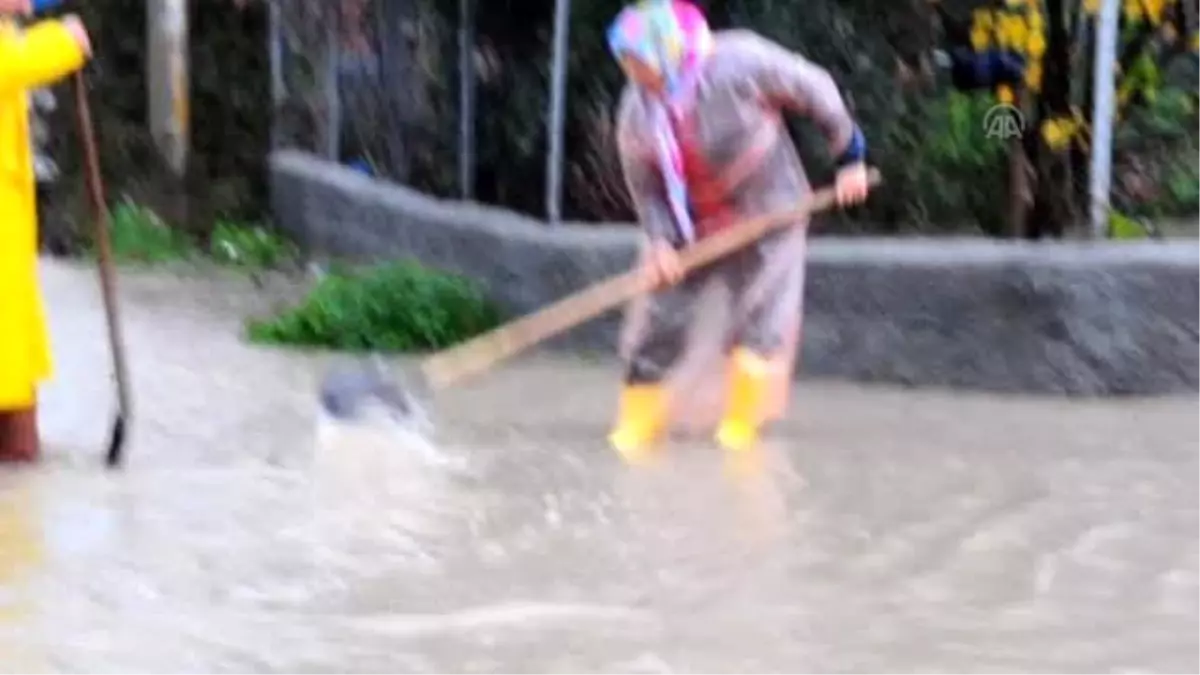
1058, 132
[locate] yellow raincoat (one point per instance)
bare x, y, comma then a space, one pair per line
29, 58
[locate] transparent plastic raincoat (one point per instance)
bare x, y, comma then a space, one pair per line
681, 345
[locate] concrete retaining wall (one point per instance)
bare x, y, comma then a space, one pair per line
1068, 318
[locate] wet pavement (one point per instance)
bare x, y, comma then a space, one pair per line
880, 530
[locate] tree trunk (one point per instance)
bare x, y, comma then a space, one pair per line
1080, 158
1019, 188
1054, 203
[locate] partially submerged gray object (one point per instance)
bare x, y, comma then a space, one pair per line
347, 390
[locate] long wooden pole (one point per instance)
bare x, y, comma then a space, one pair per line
108, 284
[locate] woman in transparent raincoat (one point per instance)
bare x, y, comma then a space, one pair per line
703, 145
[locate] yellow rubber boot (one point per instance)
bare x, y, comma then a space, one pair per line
641, 418
746, 404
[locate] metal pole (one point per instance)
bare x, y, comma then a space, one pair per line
275, 52
1102, 116
466, 98
167, 74
558, 104
333, 88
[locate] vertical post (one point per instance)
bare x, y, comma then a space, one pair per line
557, 117
1102, 116
400, 96
466, 98
1007, 120
275, 54
1018, 178
333, 80
167, 71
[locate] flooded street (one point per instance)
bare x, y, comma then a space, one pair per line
881, 530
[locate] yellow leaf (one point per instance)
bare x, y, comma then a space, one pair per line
1124, 227
1036, 45
1033, 76
1000, 37
1057, 133
980, 39
1049, 133
1004, 94
1012, 32
1153, 9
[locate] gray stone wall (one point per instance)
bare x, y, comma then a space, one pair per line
1060, 318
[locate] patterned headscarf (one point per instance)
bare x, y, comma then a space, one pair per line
673, 38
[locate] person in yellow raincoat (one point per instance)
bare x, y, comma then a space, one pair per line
30, 57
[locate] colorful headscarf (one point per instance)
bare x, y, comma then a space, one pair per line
673, 38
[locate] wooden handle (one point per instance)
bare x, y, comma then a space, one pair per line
450, 366
95, 188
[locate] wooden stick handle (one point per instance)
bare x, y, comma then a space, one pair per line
108, 291
476, 355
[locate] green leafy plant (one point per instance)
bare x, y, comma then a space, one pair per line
139, 235
1123, 227
1183, 186
400, 306
249, 246
941, 167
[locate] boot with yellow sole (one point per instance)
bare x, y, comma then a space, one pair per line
750, 387
641, 420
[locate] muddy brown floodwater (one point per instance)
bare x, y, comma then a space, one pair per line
880, 531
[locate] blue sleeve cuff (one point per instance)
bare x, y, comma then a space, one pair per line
856, 150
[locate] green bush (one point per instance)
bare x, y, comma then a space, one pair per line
138, 235
942, 168
1156, 155
249, 246
400, 306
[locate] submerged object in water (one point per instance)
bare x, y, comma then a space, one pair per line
347, 393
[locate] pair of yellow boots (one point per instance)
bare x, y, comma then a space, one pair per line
644, 408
